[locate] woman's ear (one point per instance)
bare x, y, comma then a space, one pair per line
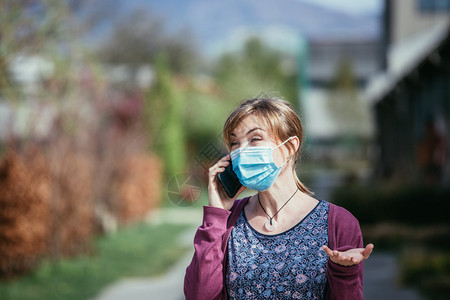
295, 141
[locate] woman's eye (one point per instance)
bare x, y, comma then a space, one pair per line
255, 139
233, 144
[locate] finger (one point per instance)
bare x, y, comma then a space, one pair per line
212, 172
217, 168
355, 261
328, 251
225, 158
224, 163
221, 164
367, 251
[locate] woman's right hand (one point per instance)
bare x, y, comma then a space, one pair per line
217, 194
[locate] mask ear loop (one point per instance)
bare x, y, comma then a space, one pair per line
286, 160
284, 142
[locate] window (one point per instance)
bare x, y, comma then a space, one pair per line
434, 6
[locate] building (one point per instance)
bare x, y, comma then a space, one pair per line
338, 122
411, 97
326, 54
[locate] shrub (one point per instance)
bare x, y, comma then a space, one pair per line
24, 213
48, 209
404, 204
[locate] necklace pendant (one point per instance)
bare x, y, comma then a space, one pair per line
270, 225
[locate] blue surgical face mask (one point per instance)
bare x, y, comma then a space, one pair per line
254, 166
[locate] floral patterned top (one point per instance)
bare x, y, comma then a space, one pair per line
289, 265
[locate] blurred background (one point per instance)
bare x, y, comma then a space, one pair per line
111, 112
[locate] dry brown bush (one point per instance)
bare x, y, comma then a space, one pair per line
71, 203
47, 205
139, 187
87, 174
24, 212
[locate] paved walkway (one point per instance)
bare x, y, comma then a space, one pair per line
167, 287
170, 285
380, 276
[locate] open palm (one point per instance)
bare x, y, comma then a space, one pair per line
349, 257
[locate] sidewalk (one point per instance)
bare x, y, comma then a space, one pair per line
380, 273
167, 287
170, 285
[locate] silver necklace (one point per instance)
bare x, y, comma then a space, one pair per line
271, 224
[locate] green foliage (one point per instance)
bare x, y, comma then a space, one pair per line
347, 109
414, 205
236, 76
205, 116
140, 250
427, 270
409, 219
344, 78
28, 29
255, 69
6, 81
164, 117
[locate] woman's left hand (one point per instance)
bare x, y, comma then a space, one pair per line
350, 257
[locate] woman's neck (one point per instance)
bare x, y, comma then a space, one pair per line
280, 192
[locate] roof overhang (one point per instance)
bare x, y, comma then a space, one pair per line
403, 58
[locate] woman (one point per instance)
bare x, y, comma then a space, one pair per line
280, 243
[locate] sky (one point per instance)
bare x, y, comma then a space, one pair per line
213, 46
350, 6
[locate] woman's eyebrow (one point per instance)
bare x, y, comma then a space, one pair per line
254, 129
248, 132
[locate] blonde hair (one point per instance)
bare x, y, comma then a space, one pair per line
280, 119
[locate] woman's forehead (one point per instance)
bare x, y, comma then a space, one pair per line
249, 123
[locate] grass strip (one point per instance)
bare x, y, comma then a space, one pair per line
136, 251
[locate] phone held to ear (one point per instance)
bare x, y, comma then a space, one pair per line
230, 181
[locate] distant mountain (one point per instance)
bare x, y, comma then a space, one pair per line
222, 24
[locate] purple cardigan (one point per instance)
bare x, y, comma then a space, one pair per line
205, 276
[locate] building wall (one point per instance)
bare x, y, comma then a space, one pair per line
325, 57
401, 117
409, 17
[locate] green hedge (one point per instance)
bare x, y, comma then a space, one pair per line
415, 205
412, 220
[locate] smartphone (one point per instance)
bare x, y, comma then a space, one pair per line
230, 181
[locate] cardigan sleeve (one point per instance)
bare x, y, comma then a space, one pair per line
344, 233
204, 275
